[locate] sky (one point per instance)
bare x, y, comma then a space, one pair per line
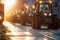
30, 2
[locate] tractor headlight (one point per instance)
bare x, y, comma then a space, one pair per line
45, 14
50, 14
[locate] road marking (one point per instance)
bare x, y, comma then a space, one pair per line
48, 36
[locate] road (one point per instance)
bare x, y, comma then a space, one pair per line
19, 32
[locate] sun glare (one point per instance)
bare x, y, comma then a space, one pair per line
8, 4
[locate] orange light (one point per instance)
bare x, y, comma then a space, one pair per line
33, 6
27, 7
22, 12
40, 2
18, 15
0, 17
50, 1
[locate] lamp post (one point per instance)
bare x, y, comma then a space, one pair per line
36, 18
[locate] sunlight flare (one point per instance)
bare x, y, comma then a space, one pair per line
8, 4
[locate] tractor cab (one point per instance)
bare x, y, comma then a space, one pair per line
44, 18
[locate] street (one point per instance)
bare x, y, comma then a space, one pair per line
19, 32
43, 17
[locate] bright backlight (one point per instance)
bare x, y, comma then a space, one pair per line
8, 4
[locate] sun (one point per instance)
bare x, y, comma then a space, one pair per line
8, 4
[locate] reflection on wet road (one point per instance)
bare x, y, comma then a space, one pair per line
19, 32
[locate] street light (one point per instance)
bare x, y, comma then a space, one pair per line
33, 6
40, 2
26, 6
50, 1
22, 12
18, 16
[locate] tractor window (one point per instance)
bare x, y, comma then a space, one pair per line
45, 8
